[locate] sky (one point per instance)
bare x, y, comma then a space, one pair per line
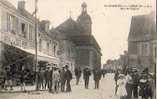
110, 26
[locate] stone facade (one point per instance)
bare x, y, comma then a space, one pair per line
142, 41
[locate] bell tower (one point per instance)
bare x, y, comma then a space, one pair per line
84, 20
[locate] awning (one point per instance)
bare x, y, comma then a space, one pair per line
42, 56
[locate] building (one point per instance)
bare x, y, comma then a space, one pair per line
142, 41
79, 32
17, 37
66, 52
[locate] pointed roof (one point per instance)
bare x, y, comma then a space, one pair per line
56, 34
69, 27
142, 28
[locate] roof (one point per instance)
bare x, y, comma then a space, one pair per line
86, 40
69, 27
8, 4
142, 28
56, 34
26, 14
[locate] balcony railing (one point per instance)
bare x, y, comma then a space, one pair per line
16, 40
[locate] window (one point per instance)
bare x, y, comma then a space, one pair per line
54, 47
11, 23
24, 29
31, 32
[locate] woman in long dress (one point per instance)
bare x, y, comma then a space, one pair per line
121, 92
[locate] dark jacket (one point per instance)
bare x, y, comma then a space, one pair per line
97, 74
68, 75
77, 72
86, 73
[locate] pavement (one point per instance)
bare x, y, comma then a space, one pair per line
106, 91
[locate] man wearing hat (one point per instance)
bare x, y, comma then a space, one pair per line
135, 78
56, 78
86, 75
68, 78
62, 78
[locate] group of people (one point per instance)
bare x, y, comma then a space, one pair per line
87, 72
134, 84
10, 77
54, 79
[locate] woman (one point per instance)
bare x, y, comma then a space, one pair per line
121, 83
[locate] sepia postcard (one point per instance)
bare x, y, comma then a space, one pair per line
78, 49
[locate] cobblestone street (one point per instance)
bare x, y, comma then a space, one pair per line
106, 91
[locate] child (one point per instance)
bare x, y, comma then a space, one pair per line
121, 92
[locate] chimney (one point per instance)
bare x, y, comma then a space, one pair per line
21, 4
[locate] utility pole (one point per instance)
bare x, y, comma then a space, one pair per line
36, 43
155, 69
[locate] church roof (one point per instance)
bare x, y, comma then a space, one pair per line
86, 40
69, 27
142, 28
56, 34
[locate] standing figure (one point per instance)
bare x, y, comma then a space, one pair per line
68, 78
86, 76
9, 78
62, 79
145, 83
49, 78
129, 85
46, 76
135, 78
42, 74
77, 74
97, 76
121, 91
56, 78
116, 79
23, 77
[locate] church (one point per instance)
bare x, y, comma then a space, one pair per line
88, 51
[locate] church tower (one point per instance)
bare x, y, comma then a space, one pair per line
84, 20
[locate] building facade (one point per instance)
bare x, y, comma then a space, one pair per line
17, 32
142, 41
88, 52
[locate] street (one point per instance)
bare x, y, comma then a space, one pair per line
106, 91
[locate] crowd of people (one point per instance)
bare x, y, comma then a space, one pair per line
134, 84
51, 78
128, 85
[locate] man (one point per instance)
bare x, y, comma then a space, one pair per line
46, 76
9, 78
56, 77
135, 77
62, 79
86, 75
23, 77
42, 74
49, 78
68, 78
77, 74
97, 77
